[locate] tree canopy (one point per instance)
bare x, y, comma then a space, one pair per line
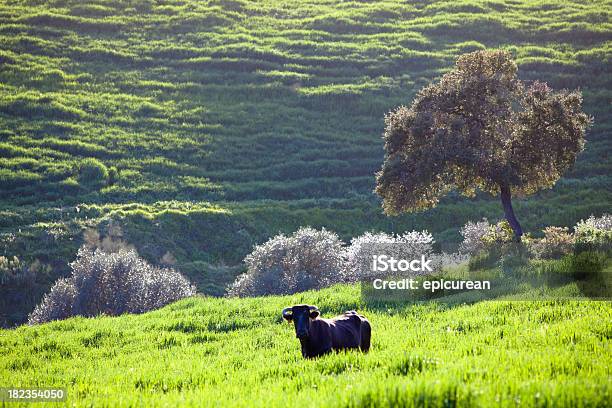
479, 127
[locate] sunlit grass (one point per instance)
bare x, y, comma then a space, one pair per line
239, 352
269, 110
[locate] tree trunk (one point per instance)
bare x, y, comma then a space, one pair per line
506, 199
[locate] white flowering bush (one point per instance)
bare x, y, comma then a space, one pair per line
307, 259
444, 259
594, 233
112, 284
359, 255
473, 234
58, 304
603, 223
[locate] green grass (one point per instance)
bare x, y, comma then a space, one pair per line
239, 352
269, 110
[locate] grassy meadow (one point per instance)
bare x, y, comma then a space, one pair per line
194, 130
213, 125
207, 351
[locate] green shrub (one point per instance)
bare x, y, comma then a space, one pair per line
113, 176
483, 259
10, 179
513, 261
93, 172
552, 267
587, 264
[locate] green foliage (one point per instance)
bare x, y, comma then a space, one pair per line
587, 263
268, 111
482, 260
499, 235
239, 352
113, 175
589, 270
93, 172
514, 260
20, 178
553, 267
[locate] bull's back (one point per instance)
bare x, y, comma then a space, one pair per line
346, 330
364, 334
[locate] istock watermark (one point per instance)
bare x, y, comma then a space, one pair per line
495, 286
430, 285
385, 263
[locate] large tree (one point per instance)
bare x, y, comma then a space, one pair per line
479, 128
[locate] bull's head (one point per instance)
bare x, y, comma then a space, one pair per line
301, 315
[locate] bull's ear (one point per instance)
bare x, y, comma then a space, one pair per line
314, 314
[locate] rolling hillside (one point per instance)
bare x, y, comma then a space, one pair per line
239, 352
217, 124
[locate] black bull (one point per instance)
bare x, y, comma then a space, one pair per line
318, 336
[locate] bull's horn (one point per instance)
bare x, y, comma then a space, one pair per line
287, 312
311, 308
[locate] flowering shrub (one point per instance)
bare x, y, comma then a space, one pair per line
444, 259
473, 234
58, 304
603, 223
594, 234
359, 255
557, 242
499, 235
487, 243
111, 283
307, 259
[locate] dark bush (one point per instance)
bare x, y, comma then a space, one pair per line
513, 262
113, 176
93, 172
587, 264
483, 260
111, 283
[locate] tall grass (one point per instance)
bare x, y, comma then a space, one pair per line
239, 352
